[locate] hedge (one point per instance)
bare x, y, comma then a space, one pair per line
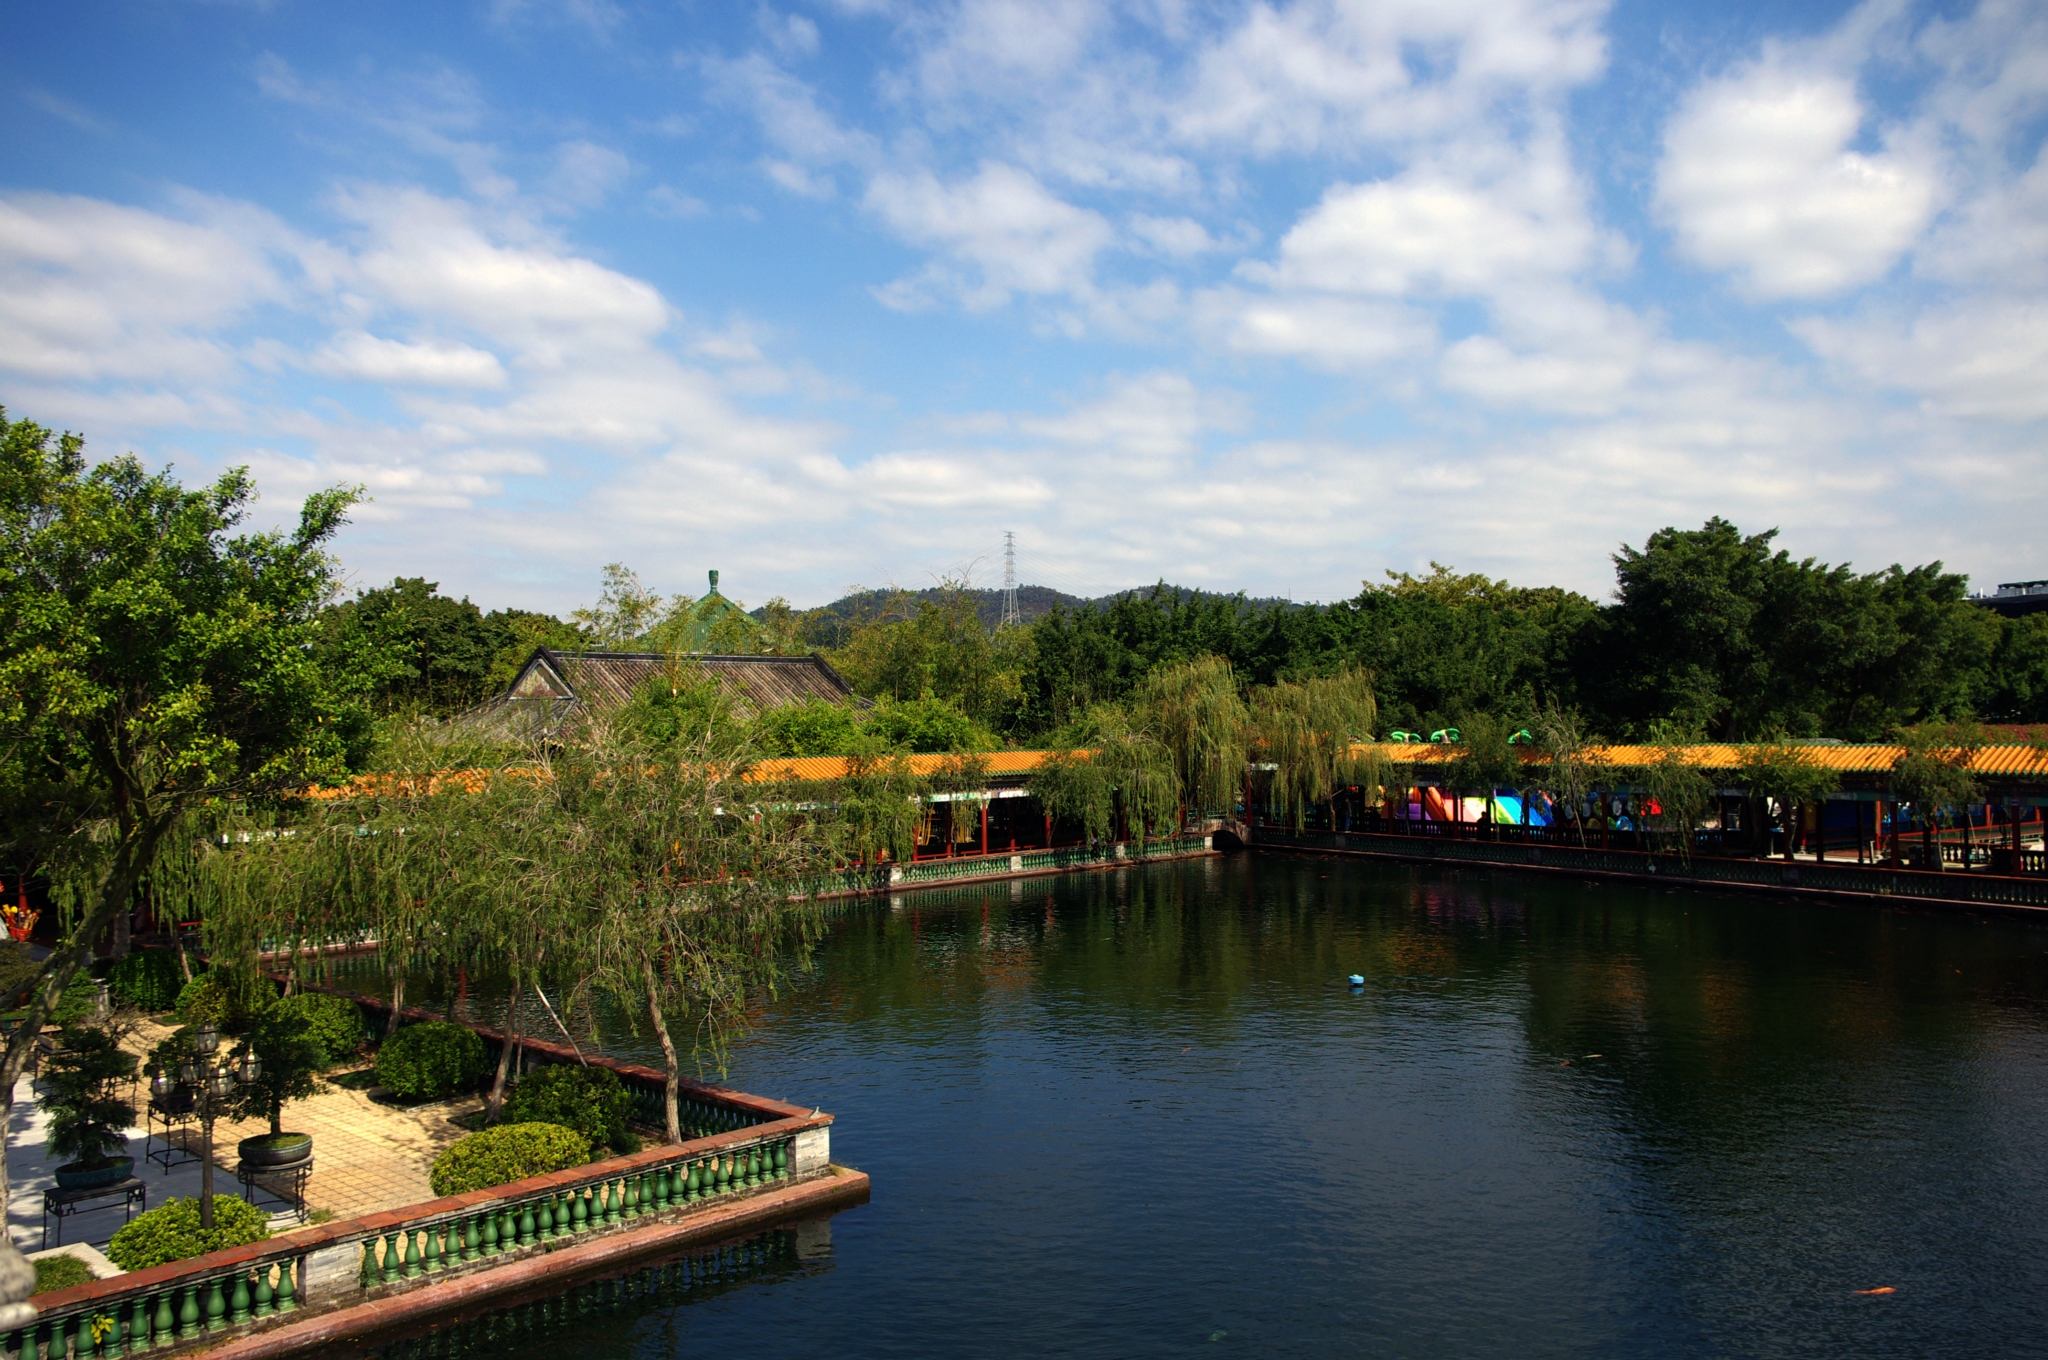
148, 979
510, 1152
171, 1232
430, 1060
591, 1100
333, 1022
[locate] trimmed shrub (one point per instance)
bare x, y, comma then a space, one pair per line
430, 1060
148, 979
61, 1272
81, 998
171, 1232
233, 1003
510, 1152
333, 1022
591, 1100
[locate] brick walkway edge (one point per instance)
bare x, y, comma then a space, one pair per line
358, 1323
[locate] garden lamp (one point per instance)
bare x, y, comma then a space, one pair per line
207, 1039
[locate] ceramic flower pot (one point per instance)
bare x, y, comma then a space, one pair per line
78, 1176
283, 1150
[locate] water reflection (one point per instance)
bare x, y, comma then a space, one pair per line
634, 1308
1121, 1113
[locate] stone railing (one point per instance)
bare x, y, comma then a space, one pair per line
207, 1299
1972, 889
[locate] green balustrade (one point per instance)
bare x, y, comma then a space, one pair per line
390, 1267
264, 1300
526, 1230
660, 1189
469, 1238
287, 1285
188, 1311
693, 1186
138, 1326
411, 1265
579, 1210
164, 1321
430, 1255
238, 1301
216, 1306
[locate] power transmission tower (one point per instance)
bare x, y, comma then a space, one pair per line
1010, 614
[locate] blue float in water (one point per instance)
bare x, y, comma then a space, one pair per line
1358, 979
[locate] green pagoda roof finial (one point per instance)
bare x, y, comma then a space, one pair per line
714, 580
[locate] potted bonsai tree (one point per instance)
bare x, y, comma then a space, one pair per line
280, 1060
89, 1115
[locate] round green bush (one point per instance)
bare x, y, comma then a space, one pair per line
591, 1100
430, 1060
333, 1022
148, 979
61, 1272
171, 1232
510, 1152
233, 1003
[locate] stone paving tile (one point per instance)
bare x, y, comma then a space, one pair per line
367, 1155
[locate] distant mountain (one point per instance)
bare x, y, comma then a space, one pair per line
1033, 603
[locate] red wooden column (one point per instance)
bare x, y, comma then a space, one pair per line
984, 826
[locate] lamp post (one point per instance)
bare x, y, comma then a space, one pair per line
212, 1079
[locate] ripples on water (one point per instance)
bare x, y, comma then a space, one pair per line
1141, 1113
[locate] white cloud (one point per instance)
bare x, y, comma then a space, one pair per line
1015, 235
370, 358
798, 180
585, 174
1326, 331
1328, 76
91, 290
1179, 238
1985, 358
1425, 231
1759, 177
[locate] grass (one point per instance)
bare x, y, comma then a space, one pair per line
61, 1272
362, 1079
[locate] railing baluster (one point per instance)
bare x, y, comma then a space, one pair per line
238, 1301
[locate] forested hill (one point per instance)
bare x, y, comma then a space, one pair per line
1033, 602
1709, 631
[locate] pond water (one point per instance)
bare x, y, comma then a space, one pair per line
1142, 1113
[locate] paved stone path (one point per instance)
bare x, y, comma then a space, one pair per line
367, 1156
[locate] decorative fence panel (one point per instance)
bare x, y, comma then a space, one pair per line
204, 1300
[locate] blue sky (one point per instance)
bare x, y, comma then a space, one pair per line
1264, 296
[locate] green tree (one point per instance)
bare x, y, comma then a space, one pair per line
624, 611
1933, 774
936, 645
289, 1062
425, 649
1713, 629
156, 660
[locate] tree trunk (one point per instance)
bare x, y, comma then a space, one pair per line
494, 1103
131, 860
397, 1001
668, 1056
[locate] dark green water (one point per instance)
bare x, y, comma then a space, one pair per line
1141, 1114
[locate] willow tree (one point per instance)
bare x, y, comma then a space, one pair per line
1197, 712
1571, 762
687, 872
1676, 785
1117, 774
1316, 735
1787, 773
